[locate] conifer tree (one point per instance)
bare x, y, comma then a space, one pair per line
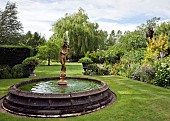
10, 27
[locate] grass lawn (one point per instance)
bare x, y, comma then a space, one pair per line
136, 101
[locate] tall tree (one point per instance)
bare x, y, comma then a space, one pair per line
33, 40
49, 51
118, 35
112, 39
83, 35
10, 27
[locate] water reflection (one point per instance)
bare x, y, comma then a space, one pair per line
72, 86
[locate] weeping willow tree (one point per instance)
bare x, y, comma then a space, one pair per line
83, 35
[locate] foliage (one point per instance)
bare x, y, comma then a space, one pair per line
92, 67
5, 72
133, 56
114, 53
12, 55
130, 68
135, 101
162, 75
10, 27
111, 39
133, 41
33, 40
97, 56
49, 51
118, 68
19, 71
83, 35
85, 60
98, 69
163, 29
156, 49
33, 61
149, 23
145, 73
104, 69
104, 56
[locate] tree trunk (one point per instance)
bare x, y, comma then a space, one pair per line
49, 61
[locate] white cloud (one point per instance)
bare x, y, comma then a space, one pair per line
39, 15
114, 26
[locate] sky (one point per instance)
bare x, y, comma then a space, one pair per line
40, 15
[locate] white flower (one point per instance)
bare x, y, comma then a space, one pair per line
163, 65
168, 69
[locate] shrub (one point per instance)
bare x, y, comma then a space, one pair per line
33, 61
30, 64
118, 69
85, 60
93, 67
162, 75
145, 73
5, 72
19, 71
104, 69
98, 69
136, 74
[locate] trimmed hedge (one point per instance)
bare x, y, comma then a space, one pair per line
12, 55
5, 72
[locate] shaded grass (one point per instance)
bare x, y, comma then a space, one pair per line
136, 101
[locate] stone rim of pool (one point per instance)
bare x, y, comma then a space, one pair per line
33, 104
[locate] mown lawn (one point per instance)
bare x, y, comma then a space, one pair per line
136, 101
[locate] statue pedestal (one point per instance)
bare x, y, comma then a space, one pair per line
62, 80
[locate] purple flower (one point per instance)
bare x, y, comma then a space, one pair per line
162, 54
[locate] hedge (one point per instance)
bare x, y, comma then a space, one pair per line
12, 55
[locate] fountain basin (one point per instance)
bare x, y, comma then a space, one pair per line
33, 104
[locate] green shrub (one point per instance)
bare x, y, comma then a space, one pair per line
98, 69
119, 69
96, 56
5, 72
162, 75
104, 69
19, 71
92, 67
33, 61
85, 60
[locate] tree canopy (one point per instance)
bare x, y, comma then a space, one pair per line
83, 35
10, 27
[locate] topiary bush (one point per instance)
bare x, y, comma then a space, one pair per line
33, 61
19, 71
5, 72
85, 60
30, 64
